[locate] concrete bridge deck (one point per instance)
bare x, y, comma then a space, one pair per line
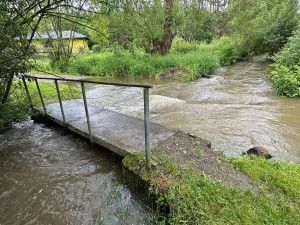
117, 132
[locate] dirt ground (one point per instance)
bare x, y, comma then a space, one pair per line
175, 73
192, 152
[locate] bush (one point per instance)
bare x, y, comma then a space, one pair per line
97, 48
15, 108
201, 63
262, 26
287, 80
226, 50
286, 69
62, 65
290, 53
181, 46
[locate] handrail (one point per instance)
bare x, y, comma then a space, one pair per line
92, 82
146, 103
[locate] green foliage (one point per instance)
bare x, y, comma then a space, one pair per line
198, 59
197, 199
99, 34
226, 50
281, 178
97, 48
192, 198
201, 63
287, 80
262, 26
286, 69
49, 92
142, 65
195, 23
181, 46
61, 64
17, 106
289, 55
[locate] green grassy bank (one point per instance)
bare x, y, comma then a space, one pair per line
17, 106
195, 198
197, 59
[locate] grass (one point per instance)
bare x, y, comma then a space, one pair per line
196, 199
198, 59
49, 92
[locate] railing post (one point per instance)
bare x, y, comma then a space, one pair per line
27, 92
40, 93
60, 103
86, 111
147, 128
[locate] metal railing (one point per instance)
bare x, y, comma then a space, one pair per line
82, 82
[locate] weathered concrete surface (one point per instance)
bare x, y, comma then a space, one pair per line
117, 132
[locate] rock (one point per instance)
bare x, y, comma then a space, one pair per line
208, 145
259, 151
207, 76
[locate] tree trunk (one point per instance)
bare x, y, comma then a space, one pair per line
163, 47
7, 90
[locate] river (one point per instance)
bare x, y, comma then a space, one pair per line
50, 176
235, 110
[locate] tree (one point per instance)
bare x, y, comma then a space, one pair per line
196, 22
151, 23
262, 26
19, 22
99, 23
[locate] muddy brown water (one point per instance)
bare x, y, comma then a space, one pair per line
50, 176
236, 109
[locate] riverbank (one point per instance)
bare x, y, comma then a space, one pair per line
195, 185
187, 61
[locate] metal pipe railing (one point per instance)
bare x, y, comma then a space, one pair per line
86, 112
146, 104
40, 93
60, 103
92, 82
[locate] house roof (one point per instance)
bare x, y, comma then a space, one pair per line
66, 34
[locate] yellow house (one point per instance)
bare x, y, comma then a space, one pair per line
77, 42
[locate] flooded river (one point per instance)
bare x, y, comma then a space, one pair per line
50, 176
236, 109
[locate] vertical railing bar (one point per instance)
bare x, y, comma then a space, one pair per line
60, 103
86, 111
147, 128
27, 92
40, 93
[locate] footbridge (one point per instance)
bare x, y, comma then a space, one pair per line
117, 132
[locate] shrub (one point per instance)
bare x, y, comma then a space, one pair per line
287, 80
286, 69
97, 48
226, 50
290, 53
81, 66
181, 46
201, 63
15, 108
62, 65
